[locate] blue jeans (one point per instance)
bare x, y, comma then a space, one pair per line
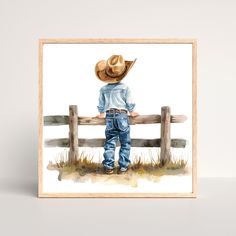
117, 127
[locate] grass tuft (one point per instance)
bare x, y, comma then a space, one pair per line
85, 164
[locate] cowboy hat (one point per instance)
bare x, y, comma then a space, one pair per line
114, 69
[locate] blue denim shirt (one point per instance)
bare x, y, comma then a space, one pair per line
116, 95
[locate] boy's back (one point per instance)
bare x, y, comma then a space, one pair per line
117, 96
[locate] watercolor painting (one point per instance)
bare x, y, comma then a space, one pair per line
117, 118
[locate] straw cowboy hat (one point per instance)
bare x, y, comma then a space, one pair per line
114, 69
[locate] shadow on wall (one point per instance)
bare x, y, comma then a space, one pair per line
17, 187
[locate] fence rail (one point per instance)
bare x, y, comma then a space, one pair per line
73, 142
142, 119
64, 142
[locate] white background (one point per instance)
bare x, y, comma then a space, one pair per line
161, 76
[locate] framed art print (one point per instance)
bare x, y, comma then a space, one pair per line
117, 118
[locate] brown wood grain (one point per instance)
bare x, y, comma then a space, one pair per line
141, 119
64, 142
165, 135
73, 134
194, 117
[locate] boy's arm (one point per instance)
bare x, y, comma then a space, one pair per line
130, 104
101, 115
133, 113
101, 105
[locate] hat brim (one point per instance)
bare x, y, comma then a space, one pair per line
103, 76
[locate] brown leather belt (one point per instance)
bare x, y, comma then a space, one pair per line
114, 110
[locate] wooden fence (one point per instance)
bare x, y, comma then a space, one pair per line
73, 142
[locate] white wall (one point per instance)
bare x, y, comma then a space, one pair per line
23, 22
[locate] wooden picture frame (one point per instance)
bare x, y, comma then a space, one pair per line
72, 119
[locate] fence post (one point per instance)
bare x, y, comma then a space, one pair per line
165, 135
73, 134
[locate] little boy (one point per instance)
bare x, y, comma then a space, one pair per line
114, 103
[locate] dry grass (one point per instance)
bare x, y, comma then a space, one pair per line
86, 165
155, 167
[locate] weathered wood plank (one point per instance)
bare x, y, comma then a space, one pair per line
145, 119
142, 119
178, 119
165, 155
73, 134
64, 142
83, 120
56, 120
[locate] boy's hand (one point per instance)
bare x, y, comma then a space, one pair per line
101, 115
133, 113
